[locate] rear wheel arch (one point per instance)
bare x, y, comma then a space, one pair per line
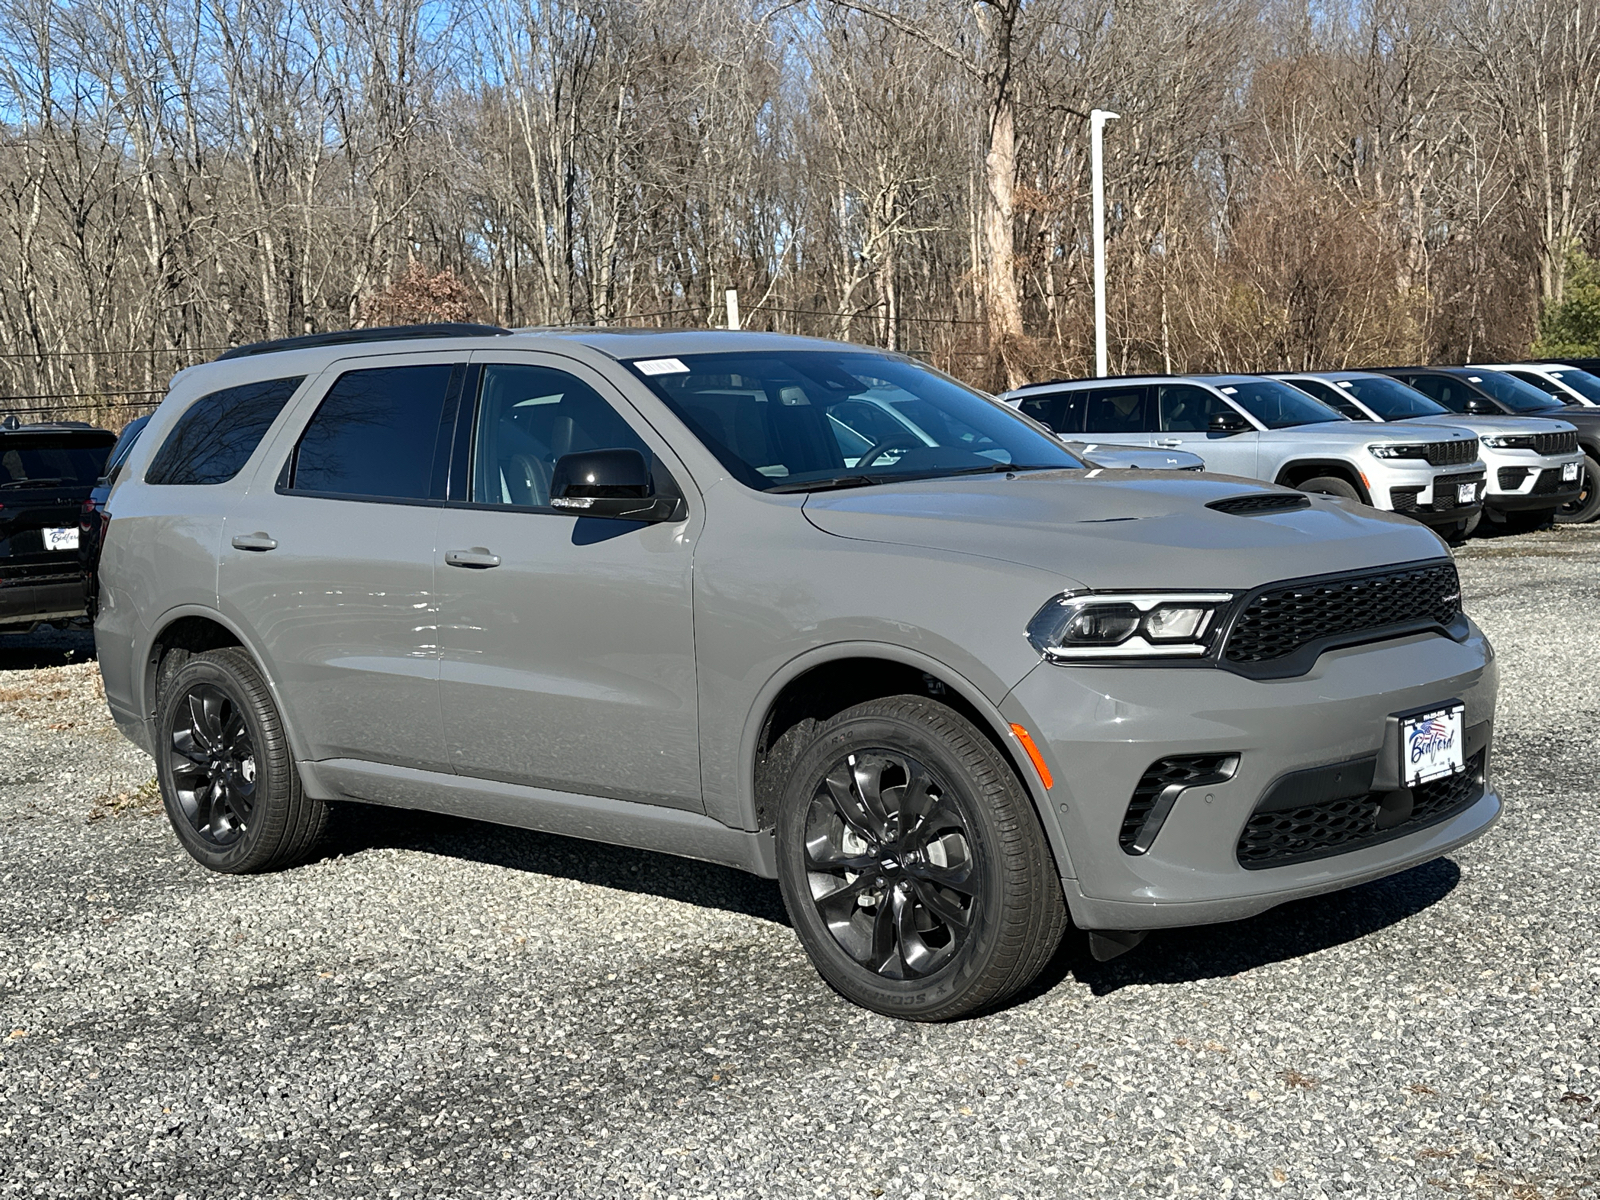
824, 683
191, 630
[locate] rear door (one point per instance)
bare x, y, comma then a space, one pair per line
1183, 413
568, 641
328, 559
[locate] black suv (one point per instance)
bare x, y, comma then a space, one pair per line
46, 473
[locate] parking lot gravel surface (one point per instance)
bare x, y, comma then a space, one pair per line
442, 1008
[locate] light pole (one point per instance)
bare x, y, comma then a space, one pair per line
1097, 173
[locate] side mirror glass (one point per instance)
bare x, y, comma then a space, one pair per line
1227, 422
609, 483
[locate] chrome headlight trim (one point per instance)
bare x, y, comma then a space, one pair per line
1046, 630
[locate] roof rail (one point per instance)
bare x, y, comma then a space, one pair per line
344, 337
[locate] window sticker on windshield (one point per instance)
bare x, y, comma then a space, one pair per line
1474, 378
1345, 383
1227, 391
660, 366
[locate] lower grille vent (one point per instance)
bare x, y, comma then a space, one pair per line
1159, 788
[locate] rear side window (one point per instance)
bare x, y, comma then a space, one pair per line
374, 435
1118, 410
219, 432
1062, 411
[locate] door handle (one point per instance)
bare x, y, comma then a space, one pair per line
477, 558
254, 541
1170, 443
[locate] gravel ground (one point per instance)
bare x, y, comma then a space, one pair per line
440, 1008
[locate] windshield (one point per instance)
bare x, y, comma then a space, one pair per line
1513, 393
1391, 399
801, 420
1585, 384
1277, 405
49, 462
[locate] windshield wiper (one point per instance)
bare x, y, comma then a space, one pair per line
828, 485
28, 483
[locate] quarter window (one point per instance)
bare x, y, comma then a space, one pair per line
374, 435
528, 417
1062, 411
219, 432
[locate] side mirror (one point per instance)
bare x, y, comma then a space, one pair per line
609, 483
1480, 406
1227, 422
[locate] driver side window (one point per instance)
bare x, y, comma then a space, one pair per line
528, 417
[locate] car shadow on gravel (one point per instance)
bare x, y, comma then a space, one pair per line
1289, 931
45, 648
353, 828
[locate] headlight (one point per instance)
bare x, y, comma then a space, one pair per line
1388, 451
1509, 441
1096, 625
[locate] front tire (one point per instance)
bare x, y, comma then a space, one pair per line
228, 780
1586, 506
912, 863
1331, 485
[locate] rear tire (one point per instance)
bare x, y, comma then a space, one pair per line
912, 863
228, 780
1586, 507
1331, 485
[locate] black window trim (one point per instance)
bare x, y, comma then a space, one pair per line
284, 485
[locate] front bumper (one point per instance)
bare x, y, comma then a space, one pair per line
1523, 482
1101, 728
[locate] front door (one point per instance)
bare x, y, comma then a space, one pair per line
568, 641
328, 560
1184, 412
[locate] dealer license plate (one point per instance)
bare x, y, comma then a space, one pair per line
61, 539
1569, 472
1431, 745
1466, 493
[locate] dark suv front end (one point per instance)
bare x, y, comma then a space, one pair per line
46, 473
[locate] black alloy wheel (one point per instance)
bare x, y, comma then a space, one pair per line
228, 779
912, 861
889, 864
1585, 506
213, 764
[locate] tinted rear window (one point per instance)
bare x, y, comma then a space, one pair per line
374, 434
51, 462
219, 432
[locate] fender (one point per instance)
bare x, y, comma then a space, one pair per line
945, 674
145, 665
1331, 466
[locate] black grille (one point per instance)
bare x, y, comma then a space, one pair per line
1278, 621
1453, 454
1185, 770
1511, 477
1550, 481
1260, 502
1556, 443
1404, 500
1310, 831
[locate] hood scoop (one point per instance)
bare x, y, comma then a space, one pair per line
1260, 503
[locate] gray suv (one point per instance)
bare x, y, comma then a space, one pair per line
1262, 429
652, 588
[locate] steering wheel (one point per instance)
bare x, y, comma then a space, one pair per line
895, 441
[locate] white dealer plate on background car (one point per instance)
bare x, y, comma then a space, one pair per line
61, 539
1466, 493
1569, 472
1431, 745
